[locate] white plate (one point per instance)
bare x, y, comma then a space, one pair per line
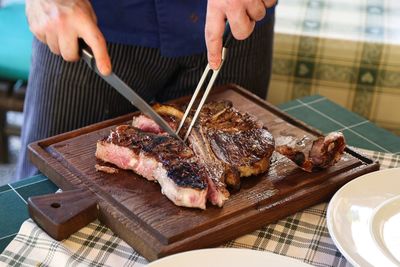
385, 228
350, 212
227, 257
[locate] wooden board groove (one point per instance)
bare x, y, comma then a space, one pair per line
136, 210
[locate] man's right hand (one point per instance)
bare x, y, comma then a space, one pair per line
241, 15
59, 24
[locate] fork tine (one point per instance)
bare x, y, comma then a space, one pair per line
204, 97
192, 100
202, 101
227, 39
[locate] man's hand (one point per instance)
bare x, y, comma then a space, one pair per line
242, 16
59, 24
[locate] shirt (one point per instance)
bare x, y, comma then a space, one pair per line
176, 27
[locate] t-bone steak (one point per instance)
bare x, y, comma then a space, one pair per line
224, 146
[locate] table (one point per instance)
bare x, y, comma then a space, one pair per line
317, 111
345, 50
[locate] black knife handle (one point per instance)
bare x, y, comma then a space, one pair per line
83, 45
85, 52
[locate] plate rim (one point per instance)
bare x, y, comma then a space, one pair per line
329, 212
224, 250
379, 240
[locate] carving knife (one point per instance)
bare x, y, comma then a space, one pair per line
126, 91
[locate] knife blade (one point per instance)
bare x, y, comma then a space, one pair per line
127, 92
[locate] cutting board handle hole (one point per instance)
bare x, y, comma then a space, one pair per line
55, 205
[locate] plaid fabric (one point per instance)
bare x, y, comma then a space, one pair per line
345, 50
303, 236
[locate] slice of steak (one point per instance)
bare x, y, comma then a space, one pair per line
238, 139
158, 158
146, 124
171, 114
312, 155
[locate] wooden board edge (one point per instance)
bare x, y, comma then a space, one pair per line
238, 225
42, 144
245, 224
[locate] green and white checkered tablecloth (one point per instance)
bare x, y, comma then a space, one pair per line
303, 236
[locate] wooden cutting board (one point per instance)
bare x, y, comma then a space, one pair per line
135, 209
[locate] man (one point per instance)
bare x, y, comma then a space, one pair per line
156, 46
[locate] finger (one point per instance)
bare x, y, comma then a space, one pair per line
88, 9
52, 42
36, 30
91, 34
68, 44
214, 30
269, 3
40, 37
256, 10
241, 24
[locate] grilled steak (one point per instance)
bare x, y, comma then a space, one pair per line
228, 143
158, 158
311, 155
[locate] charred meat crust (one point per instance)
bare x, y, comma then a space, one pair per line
236, 148
223, 116
178, 160
238, 139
